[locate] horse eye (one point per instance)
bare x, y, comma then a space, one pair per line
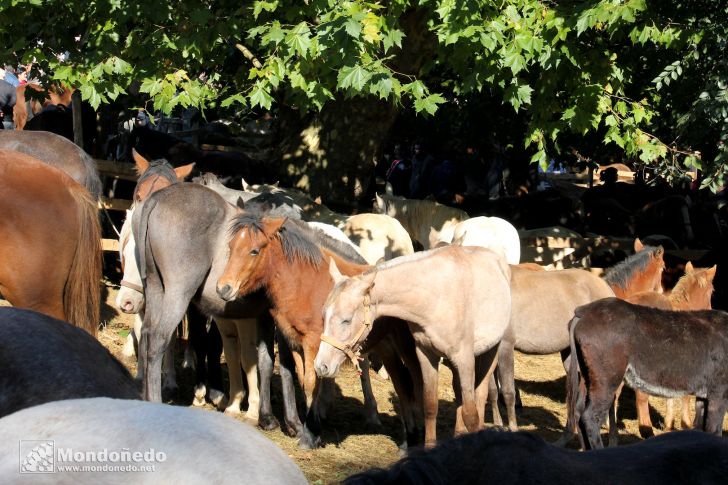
255, 252
346, 322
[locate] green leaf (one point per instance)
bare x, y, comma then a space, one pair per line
429, 104
353, 28
260, 96
353, 77
299, 39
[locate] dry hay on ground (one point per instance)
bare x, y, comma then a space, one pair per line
352, 447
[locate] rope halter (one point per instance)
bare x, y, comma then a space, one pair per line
352, 349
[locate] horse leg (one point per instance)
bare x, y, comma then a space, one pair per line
229, 333
197, 341
716, 413
700, 411
601, 394
266, 332
403, 387
290, 412
685, 421
507, 381
464, 364
313, 388
669, 415
213, 352
247, 340
643, 413
429, 367
493, 400
370, 402
137, 332
169, 383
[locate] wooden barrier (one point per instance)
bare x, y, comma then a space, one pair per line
110, 168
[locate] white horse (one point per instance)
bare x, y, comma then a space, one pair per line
493, 233
378, 236
422, 219
110, 436
130, 299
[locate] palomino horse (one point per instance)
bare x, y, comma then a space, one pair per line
182, 445
57, 151
378, 237
660, 352
494, 457
50, 247
290, 262
181, 235
74, 364
472, 322
692, 292
543, 302
423, 219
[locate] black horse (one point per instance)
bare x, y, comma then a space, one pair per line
504, 458
45, 360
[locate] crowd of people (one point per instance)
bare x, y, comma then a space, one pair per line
10, 79
452, 179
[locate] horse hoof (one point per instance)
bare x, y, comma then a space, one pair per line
128, 350
216, 397
294, 431
267, 422
309, 442
646, 432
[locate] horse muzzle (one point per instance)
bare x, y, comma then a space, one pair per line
227, 292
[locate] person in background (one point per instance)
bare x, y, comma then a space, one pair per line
10, 76
422, 165
22, 75
8, 98
447, 182
399, 173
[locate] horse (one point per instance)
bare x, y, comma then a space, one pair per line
51, 242
378, 236
156, 175
692, 292
58, 152
423, 219
539, 321
496, 457
181, 235
493, 233
24, 110
289, 261
180, 445
130, 300
472, 323
72, 364
639, 273
661, 352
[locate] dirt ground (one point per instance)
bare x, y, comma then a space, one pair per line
351, 446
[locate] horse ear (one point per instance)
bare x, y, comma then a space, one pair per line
142, 164
334, 271
434, 237
240, 203
458, 241
246, 185
689, 267
184, 171
317, 200
711, 271
638, 246
368, 280
378, 202
380, 261
272, 226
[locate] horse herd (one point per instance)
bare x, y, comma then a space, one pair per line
272, 266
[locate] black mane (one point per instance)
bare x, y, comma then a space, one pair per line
621, 273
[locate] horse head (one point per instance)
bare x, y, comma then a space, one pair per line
156, 175
695, 289
249, 240
348, 318
130, 298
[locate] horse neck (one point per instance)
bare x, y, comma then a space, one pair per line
346, 267
396, 294
681, 297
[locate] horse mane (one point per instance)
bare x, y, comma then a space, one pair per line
298, 240
679, 293
620, 274
407, 259
158, 168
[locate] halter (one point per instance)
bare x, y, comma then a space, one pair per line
132, 286
352, 349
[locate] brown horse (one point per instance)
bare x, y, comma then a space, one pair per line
291, 262
692, 292
156, 175
661, 352
56, 95
50, 249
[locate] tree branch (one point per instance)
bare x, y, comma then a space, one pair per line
249, 56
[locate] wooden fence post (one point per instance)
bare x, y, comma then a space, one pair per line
76, 111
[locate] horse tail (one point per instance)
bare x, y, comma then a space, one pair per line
81, 296
572, 380
140, 228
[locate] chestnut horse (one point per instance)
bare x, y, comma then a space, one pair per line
661, 352
457, 303
692, 292
291, 262
50, 249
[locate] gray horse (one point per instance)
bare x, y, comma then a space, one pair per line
46, 359
182, 239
